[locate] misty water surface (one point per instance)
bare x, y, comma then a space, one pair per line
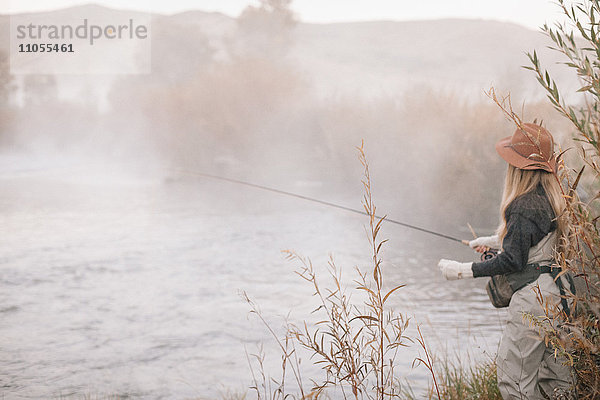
126, 284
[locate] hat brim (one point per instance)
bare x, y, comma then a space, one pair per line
505, 150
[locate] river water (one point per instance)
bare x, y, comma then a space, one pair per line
132, 286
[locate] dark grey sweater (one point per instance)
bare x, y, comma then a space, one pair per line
529, 218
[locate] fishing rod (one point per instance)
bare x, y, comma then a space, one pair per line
326, 203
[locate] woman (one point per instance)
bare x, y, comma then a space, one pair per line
530, 227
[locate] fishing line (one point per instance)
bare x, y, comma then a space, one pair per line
326, 203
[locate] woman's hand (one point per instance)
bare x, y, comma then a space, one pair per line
485, 243
453, 270
481, 249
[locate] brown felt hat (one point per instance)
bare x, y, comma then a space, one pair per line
532, 149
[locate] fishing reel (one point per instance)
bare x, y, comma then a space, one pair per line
489, 254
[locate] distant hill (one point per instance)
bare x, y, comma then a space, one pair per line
380, 56
448, 53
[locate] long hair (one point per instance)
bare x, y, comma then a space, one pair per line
521, 181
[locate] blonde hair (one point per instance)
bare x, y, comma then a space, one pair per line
521, 181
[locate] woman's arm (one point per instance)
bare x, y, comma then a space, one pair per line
522, 233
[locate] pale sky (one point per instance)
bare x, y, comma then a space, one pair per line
531, 13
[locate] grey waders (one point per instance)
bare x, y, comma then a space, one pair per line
526, 366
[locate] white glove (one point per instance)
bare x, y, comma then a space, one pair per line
453, 270
492, 242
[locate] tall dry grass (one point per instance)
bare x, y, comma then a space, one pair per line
358, 338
